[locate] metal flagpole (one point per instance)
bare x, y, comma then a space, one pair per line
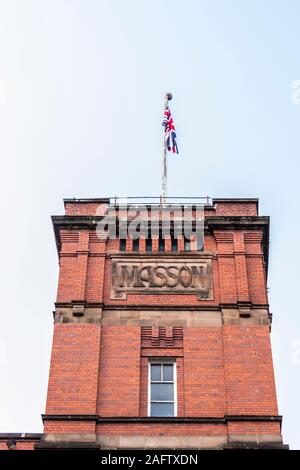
163, 195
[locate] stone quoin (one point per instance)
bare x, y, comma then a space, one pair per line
160, 343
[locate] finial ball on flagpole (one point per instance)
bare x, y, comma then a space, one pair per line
169, 96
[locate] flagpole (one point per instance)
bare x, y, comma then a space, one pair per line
163, 195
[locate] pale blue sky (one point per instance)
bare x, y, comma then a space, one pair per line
81, 92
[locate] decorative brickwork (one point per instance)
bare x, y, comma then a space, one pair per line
162, 337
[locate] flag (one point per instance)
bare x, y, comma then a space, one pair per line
170, 134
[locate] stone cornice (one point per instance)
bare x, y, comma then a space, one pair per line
216, 307
211, 223
152, 420
86, 201
232, 200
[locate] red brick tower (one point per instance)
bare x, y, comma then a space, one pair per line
162, 343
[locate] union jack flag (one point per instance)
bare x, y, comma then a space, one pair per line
170, 134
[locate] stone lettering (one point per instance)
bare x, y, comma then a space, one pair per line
148, 276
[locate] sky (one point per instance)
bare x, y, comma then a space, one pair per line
81, 96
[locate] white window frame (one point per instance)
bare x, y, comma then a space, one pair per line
162, 361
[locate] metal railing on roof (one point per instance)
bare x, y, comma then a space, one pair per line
157, 201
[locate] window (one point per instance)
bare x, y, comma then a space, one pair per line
135, 244
161, 244
174, 243
148, 244
200, 243
187, 244
122, 244
162, 389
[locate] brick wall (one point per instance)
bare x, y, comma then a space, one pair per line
17, 445
250, 387
119, 374
204, 386
74, 369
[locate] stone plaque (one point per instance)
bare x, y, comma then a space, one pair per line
164, 276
